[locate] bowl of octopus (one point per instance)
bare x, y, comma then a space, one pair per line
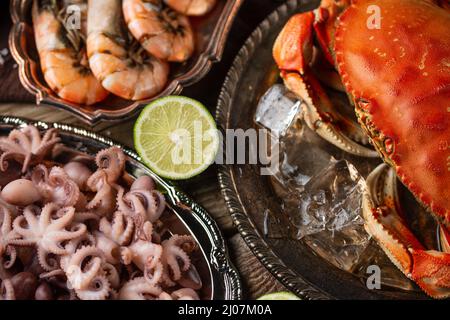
82, 218
106, 59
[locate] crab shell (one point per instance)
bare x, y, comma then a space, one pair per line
399, 78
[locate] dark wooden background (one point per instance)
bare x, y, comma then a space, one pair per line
14, 100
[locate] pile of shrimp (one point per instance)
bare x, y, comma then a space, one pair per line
91, 48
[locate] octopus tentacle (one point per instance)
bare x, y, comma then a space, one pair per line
140, 253
51, 274
120, 230
7, 234
165, 296
49, 139
161, 205
86, 240
141, 205
11, 254
30, 137
47, 233
153, 272
64, 217
185, 294
113, 294
26, 233
55, 246
175, 257
98, 289
7, 290
112, 274
39, 174
132, 207
107, 246
146, 232
112, 161
56, 186
139, 289
82, 217
104, 201
6, 157
46, 261
27, 146
172, 260
79, 273
65, 191
9, 145
12, 150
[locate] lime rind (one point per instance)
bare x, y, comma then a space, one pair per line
279, 296
208, 155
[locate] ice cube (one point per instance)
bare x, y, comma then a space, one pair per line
301, 157
342, 248
333, 198
328, 216
277, 110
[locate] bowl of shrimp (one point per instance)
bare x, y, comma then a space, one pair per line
82, 219
104, 60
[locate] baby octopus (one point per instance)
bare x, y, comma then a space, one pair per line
85, 229
26, 146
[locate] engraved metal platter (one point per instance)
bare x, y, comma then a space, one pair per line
220, 279
251, 197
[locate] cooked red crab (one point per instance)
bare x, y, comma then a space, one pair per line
392, 58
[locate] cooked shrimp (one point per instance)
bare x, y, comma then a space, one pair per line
163, 32
63, 56
191, 7
119, 62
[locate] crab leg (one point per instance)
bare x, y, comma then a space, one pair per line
324, 24
430, 269
293, 53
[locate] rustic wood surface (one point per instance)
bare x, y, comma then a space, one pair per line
15, 101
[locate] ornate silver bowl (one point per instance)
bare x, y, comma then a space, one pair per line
211, 34
220, 279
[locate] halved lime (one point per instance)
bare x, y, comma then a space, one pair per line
279, 296
176, 137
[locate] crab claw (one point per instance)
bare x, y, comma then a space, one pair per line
293, 52
324, 24
321, 117
431, 271
384, 220
293, 48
